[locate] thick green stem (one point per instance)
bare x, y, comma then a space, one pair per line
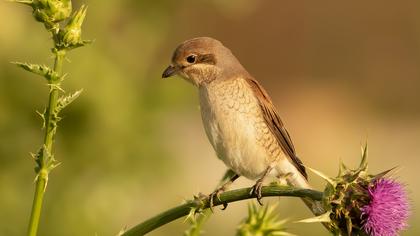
50, 129
227, 197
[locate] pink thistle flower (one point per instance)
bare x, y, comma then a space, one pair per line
387, 212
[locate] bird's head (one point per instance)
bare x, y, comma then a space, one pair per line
203, 60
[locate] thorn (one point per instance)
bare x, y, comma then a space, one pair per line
46, 183
383, 173
55, 86
36, 178
26, 2
363, 163
191, 215
322, 175
321, 218
342, 167
122, 231
42, 115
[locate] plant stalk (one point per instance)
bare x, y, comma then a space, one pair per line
197, 225
226, 197
50, 130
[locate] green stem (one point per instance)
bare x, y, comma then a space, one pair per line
196, 226
226, 197
50, 129
37, 203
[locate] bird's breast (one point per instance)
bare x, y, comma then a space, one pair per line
236, 128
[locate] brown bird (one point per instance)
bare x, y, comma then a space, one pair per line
239, 118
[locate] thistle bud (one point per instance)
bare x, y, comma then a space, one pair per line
49, 11
262, 221
71, 35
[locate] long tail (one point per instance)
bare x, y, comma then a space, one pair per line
297, 180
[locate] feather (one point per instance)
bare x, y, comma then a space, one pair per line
275, 124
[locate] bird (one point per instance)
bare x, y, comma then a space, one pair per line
239, 117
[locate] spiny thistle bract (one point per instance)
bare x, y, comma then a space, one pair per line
49, 11
262, 221
71, 35
361, 204
57, 17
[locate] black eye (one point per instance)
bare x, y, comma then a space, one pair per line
191, 59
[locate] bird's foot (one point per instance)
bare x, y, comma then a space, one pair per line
216, 194
257, 190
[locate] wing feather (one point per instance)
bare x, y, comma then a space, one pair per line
275, 124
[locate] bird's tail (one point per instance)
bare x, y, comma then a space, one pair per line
297, 180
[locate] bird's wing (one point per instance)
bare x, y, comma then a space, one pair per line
276, 125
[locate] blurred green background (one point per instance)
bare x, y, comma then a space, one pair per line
133, 145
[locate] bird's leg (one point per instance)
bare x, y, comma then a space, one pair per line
220, 190
256, 189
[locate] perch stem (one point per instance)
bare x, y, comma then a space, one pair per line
226, 197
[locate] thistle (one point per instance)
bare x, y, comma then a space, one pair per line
388, 209
71, 35
262, 221
358, 203
51, 13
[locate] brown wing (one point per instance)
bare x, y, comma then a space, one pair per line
276, 125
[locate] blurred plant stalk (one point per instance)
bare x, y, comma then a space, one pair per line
65, 28
50, 130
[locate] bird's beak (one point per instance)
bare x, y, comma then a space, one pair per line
170, 71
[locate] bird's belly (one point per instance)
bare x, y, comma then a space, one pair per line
235, 135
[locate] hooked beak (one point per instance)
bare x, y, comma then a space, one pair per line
170, 71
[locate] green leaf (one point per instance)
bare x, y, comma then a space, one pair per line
262, 221
78, 44
41, 70
66, 100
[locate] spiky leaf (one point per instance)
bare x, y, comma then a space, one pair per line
41, 70
66, 100
262, 221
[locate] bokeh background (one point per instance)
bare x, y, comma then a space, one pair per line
133, 145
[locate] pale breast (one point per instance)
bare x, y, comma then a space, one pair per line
236, 128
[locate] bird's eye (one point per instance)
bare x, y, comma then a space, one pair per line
191, 59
